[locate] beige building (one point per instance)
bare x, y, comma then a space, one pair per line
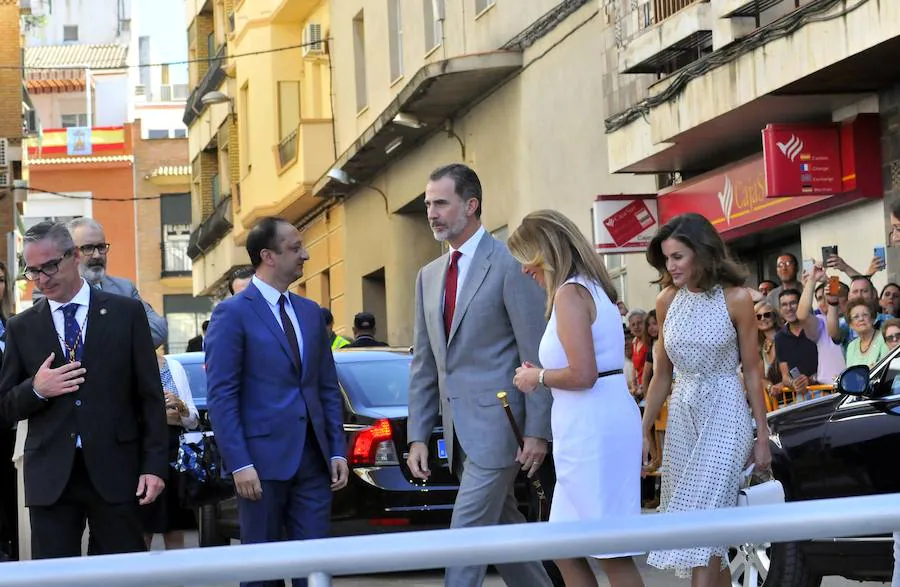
508, 87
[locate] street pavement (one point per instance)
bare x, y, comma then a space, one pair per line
652, 577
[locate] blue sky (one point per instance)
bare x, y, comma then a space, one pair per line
163, 22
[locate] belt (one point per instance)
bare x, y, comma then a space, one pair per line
603, 374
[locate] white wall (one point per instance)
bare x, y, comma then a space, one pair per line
856, 231
157, 117
97, 22
111, 96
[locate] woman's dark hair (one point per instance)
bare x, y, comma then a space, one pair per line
713, 264
884, 289
646, 335
895, 208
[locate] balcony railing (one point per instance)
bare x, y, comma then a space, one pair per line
287, 148
633, 18
214, 77
175, 260
211, 229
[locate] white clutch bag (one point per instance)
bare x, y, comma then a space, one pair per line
762, 493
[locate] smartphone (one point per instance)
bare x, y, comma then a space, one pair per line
879, 252
827, 253
795, 373
834, 285
808, 265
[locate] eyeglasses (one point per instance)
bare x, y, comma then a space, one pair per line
50, 268
860, 317
765, 316
893, 337
89, 250
784, 264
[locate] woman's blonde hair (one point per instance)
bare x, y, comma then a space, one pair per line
549, 240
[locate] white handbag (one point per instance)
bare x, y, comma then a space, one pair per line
759, 493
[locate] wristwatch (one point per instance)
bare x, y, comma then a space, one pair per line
541, 378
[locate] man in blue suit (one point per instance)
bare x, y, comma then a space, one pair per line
273, 397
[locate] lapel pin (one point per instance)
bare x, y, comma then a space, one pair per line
103, 311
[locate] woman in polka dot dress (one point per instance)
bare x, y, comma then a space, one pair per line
708, 332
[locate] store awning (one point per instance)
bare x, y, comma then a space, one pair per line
436, 93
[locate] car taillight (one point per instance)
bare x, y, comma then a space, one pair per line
374, 446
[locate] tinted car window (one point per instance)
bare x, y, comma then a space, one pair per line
196, 373
376, 383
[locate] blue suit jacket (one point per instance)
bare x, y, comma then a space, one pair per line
256, 396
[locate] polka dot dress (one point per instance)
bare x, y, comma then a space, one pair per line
710, 434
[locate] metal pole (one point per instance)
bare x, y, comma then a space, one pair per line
88, 96
319, 580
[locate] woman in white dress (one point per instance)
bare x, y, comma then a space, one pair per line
595, 421
708, 330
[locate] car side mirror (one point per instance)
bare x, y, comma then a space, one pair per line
855, 381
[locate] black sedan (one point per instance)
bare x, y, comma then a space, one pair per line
842, 445
382, 495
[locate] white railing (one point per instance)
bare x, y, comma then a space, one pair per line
322, 559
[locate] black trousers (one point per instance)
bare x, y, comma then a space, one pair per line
56, 530
9, 490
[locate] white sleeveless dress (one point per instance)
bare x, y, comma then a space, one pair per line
596, 432
709, 434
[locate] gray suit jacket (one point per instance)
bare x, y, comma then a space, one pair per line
497, 324
159, 329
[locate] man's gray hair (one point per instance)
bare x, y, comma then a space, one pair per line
49, 230
84, 221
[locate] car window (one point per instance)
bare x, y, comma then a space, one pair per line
376, 383
196, 373
890, 382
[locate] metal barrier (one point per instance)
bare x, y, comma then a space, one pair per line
791, 397
322, 559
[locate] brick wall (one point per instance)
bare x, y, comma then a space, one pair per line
149, 155
10, 102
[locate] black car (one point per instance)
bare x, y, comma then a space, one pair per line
842, 445
382, 495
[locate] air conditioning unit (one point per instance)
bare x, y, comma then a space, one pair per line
312, 39
4, 153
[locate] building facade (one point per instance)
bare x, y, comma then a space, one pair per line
766, 117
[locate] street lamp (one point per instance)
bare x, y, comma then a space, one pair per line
343, 178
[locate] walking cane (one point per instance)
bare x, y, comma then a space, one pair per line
535, 482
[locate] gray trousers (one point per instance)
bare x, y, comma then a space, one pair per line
486, 498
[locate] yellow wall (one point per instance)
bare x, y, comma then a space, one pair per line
532, 145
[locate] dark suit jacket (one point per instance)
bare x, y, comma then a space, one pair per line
195, 344
365, 341
118, 411
255, 394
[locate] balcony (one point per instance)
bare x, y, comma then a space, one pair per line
214, 78
287, 149
211, 230
660, 36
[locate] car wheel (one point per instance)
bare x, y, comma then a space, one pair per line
787, 567
749, 565
208, 528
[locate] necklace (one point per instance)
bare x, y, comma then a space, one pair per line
869, 346
71, 351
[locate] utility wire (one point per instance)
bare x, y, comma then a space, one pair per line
170, 63
95, 198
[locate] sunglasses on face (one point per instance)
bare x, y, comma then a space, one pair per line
765, 316
893, 337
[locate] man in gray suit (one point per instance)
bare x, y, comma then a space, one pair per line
91, 240
478, 317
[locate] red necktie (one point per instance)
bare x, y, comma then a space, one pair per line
450, 290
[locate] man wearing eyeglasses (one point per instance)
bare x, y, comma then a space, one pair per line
79, 367
91, 242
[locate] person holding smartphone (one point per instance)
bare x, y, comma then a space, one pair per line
795, 346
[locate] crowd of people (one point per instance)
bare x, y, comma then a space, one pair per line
680, 390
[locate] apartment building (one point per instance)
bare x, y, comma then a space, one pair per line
510, 88
776, 119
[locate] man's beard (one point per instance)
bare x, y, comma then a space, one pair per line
453, 230
93, 273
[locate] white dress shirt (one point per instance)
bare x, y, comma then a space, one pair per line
83, 300
272, 295
467, 252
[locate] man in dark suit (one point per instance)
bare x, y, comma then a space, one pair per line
195, 345
80, 367
364, 331
273, 397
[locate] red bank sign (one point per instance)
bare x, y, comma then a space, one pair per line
802, 161
735, 200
